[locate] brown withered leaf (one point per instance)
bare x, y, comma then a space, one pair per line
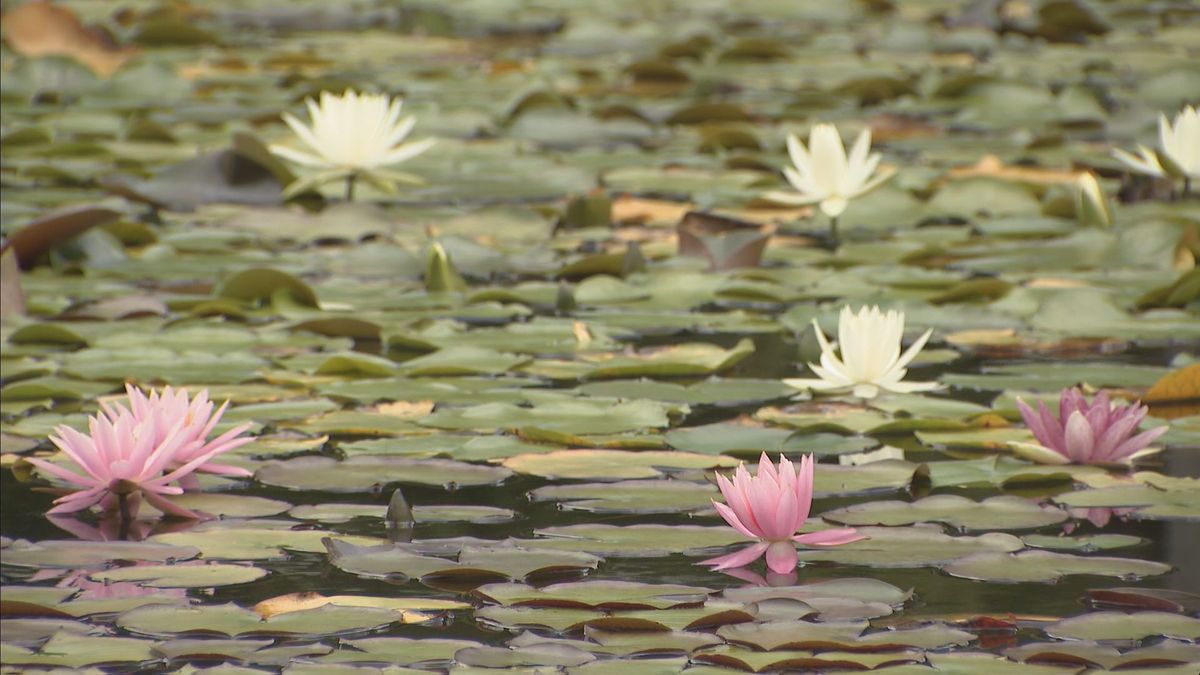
1177, 394
991, 166
41, 28
727, 243
413, 609
54, 228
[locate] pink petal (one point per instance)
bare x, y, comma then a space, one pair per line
1137, 443
731, 518
59, 472
1054, 429
168, 507
781, 557
764, 500
1111, 437
1036, 423
737, 559
78, 501
786, 510
804, 490
834, 537
735, 497
1080, 443
767, 469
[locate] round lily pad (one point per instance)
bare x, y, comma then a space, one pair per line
1046, 566
993, 513
363, 473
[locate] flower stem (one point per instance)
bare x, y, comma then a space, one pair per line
833, 230
1187, 186
123, 508
350, 181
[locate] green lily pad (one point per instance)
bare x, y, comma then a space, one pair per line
631, 496
912, 547
363, 472
474, 562
632, 540
604, 594
70, 553
231, 620
993, 513
65, 650
1046, 566
611, 464
183, 575
1122, 626
574, 417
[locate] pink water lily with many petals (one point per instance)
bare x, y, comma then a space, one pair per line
1099, 432
771, 507
131, 455
170, 406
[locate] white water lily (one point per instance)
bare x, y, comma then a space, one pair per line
1178, 151
870, 358
824, 175
350, 136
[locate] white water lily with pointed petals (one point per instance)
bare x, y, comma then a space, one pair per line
870, 358
1178, 144
824, 175
352, 135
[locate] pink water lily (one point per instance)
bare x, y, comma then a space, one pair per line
131, 455
1099, 432
199, 420
771, 507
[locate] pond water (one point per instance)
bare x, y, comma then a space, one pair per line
586, 311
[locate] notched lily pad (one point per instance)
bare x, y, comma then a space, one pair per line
475, 563
1122, 626
185, 575
363, 473
604, 594
71, 553
597, 464
1046, 566
993, 513
231, 620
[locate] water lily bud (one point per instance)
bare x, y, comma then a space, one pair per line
1091, 207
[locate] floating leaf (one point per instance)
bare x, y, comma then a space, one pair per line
1122, 626
231, 620
44, 29
364, 472
183, 575
1045, 566
993, 513
610, 464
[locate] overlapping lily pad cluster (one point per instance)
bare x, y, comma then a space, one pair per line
593, 304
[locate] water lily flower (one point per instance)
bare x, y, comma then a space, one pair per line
131, 455
1178, 153
122, 465
824, 175
199, 420
771, 507
870, 358
351, 136
1100, 432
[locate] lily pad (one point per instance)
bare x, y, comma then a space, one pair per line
993, 513
1045, 566
363, 473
